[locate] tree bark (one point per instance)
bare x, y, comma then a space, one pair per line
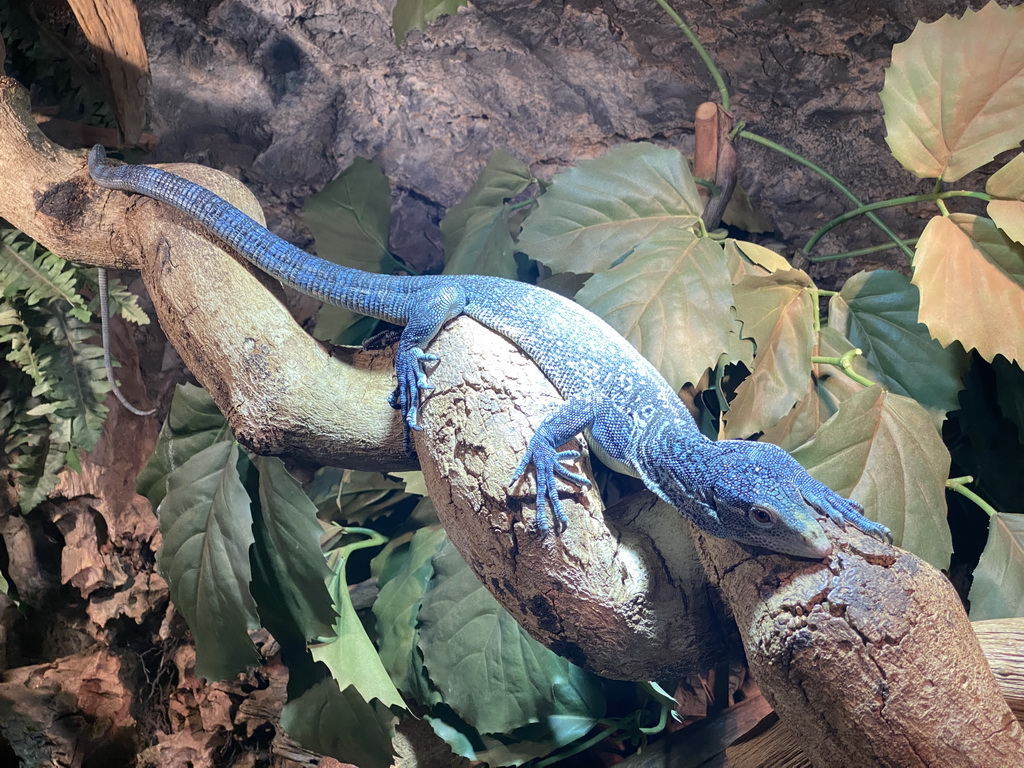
868, 656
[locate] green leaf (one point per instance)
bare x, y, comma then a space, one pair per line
671, 299
472, 648
350, 218
971, 278
193, 424
357, 497
877, 311
984, 443
42, 452
402, 586
207, 531
1010, 393
122, 301
597, 213
884, 451
340, 326
477, 240
998, 589
351, 656
333, 722
417, 14
80, 378
777, 312
287, 537
952, 96
38, 277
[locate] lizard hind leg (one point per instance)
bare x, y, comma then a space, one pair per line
429, 309
543, 454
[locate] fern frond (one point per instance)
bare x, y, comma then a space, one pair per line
40, 452
38, 275
14, 332
81, 378
122, 301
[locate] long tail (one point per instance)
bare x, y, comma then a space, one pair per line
353, 289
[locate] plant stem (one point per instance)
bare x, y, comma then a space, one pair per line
832, 180
859, 251
845, 364
956, 484
937, 197
723, 90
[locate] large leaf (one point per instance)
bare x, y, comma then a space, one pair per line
1010, 393
971, 278
350, 218
830, 387
598, 212
402, 586
473, 648
351, 656
884, 451
417, 14
287, 538
998, 590
193, 424
953, 94
877, 312
335, 722
476, 233
672, 300
207, 530
1008, 212
777, 312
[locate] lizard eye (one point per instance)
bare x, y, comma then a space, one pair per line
761, 516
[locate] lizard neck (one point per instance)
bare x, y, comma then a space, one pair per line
675, 461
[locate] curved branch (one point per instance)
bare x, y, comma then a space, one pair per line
860, 655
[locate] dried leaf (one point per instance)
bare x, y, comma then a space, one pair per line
953, 94
971, 278
777, 312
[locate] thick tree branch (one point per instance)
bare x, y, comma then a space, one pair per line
869, 656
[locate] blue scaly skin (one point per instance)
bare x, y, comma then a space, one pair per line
754, 493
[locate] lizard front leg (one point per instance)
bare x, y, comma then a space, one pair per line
542, 452
429, 309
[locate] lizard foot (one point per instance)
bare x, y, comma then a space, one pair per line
412, 383
841, 510
548, 463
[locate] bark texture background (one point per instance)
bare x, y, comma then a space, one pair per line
284, 95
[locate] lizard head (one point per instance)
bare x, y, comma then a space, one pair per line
751, 492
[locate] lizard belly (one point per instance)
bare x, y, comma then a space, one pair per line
609, 461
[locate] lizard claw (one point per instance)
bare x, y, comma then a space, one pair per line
548, 464
841, 510
412, 383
